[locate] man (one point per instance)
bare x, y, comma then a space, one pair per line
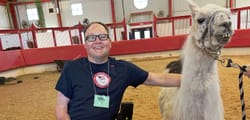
92, 88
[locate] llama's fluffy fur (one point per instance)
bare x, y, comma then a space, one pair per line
199, 97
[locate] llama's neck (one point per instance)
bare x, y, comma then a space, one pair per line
197, 63
197, 54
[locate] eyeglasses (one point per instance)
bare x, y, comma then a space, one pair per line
92, 38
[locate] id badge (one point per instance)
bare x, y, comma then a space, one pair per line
101, 101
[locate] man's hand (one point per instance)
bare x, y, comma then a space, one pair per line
248, 72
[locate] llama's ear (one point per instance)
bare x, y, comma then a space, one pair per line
193, 7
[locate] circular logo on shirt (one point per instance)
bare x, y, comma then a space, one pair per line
102, 79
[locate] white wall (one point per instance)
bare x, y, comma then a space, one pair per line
100, 10
242, 3
180, 7
94, 10
50, 18
4, 20
153, 5
22, 14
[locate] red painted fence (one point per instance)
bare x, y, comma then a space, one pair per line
26, 57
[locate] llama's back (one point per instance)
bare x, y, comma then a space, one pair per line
166, 99
167, 95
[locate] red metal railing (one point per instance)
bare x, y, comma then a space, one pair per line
168, 26
242, 13
36, 31
69, 50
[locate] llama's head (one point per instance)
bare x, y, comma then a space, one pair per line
211, 26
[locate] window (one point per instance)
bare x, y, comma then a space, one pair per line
137, 35
32, 14
140, 4
147, 33
142, 33
76, 9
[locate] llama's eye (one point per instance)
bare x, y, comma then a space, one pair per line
200, 20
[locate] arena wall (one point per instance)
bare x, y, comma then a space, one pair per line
18, 62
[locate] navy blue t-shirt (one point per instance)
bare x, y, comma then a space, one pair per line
76, 83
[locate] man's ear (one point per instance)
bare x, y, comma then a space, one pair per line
110, 44
85, 46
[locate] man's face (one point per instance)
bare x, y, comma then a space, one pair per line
97, 43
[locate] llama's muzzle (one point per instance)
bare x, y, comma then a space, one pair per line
223, 38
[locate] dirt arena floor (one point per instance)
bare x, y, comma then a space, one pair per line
35, 97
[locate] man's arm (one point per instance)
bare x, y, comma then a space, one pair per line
163, 79
62, 107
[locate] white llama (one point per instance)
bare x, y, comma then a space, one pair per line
198, 97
